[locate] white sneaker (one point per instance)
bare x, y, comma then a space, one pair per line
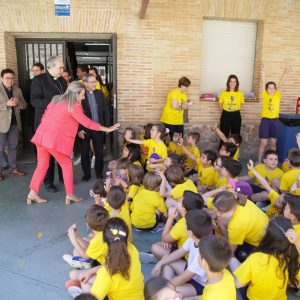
77, 161
67, 258
74, 291
93, 162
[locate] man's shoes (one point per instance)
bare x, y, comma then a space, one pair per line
1, 176
17, 173
86, 178
50, 188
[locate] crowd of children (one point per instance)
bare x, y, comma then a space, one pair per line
223, 232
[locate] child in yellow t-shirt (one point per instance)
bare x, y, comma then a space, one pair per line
122, 278
147, 204
173, 146
272, 266
228, 149
178, 184
135, 180
292, 212
98, 192
192, 140
219, 179
133, 153
231, 169
215, 254
174, 236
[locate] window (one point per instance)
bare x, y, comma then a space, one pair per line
228, 47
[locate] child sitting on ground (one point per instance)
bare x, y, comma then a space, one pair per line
133, 153
178, 183
172, 159
173, 146
145, 135
135, 180
188, 277
231, 169
98, 192
228, 150
219, 179
192, 140
119, 175
292, 212
147, 205
214, 257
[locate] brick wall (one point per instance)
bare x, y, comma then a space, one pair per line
154, 52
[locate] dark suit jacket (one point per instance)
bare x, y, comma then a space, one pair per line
103, 109
43, 89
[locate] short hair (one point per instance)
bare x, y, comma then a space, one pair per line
232, 76
225, 201
184, 81
230, 148
7, 71
216, 251
83, 68
39, 65
176, 159
67, 71
233, 167
123, 163
210, 155
294, 204
135, 174
88, 76
99, 189
192, 201
236, 137
294, 157
116, 197
52, 60
199, 222
195, 135
269, 83
85, 296
151, 181
154, 285
269, 152
96, 217
174, 174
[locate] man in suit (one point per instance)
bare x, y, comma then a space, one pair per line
43, 88
11, 102
94, 107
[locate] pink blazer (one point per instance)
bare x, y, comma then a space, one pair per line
58, 127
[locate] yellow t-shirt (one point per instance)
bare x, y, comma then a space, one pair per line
190, 162
288, 180
143, 208
273, 210
219, 181
224, 289
174, 148
268, 175
297, 229
237, 154
232, 100
170, 115
144, 151
179, 189
285, 167
247, 225
260, 270
116, 287
159, 148
133, 189
270, 105
103, 88
178, 232
97, 248
205, 175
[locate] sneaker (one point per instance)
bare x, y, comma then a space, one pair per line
78, 262
67, 258
158, 228
77, 162
93, 162
74, 291
147, 258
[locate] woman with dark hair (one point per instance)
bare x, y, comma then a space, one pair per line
272, 266
230, 102
100, 86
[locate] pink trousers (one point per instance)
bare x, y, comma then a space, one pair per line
43, 157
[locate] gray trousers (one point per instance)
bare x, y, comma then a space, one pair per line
10, 138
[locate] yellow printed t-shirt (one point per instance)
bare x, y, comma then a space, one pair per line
224, 289
159, 148
133, 189
273, 211
219, 181
268, 175
205, 175
116, 287
174, 148
247, 225
179, 189
170, 115
270, 105
260, 270
190, 162
97, 248
232, 100
178, 232
285, 167
288, 180
237, 154
297, 229
143, 208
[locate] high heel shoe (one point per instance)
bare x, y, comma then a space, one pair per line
73, 198
37, 199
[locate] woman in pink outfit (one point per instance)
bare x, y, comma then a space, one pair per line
56, 135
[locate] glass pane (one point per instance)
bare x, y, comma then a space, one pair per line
53, 47
60, 50
30, 59
36, 53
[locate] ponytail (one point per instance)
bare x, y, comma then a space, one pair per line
225, 201
118, 260
164, 133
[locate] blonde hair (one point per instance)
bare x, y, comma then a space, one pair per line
71, 95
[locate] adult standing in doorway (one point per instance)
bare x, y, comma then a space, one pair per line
177, 102
11, 102
82, 71
231, 101
43, 88
95, 109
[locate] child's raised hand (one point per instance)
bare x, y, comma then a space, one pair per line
161, 175
288, 70
107, 185
250, 165
173, 212
292, 236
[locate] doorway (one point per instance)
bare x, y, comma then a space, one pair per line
99, 53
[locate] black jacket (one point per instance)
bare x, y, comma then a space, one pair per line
43, 89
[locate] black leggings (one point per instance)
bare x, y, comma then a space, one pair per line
230, 122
